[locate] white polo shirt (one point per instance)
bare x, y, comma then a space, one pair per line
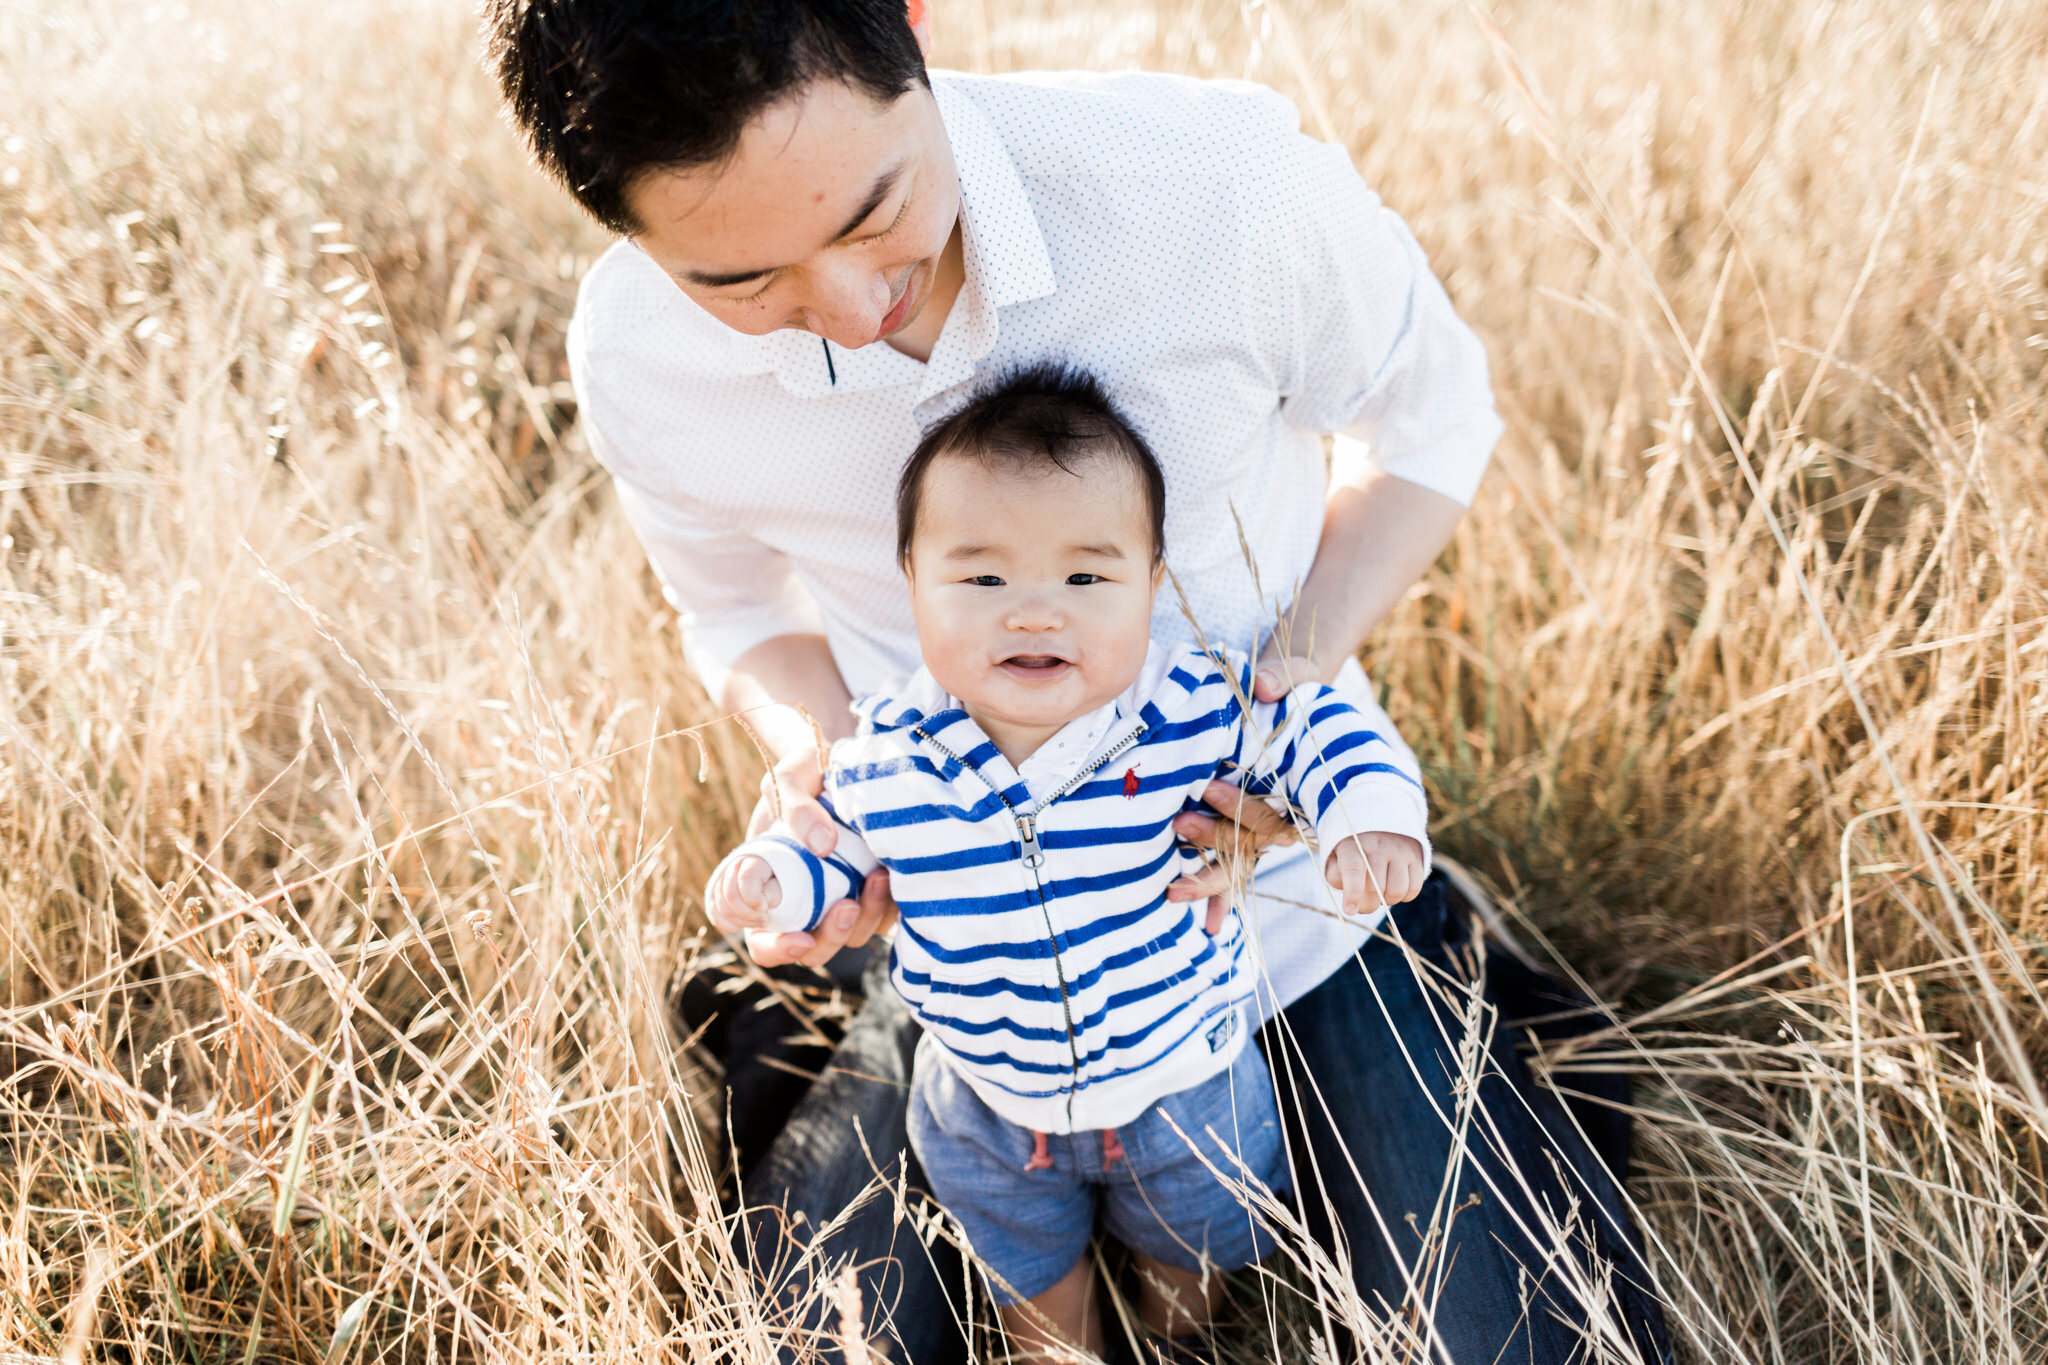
1232, 283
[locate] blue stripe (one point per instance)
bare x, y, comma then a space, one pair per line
854, 876
974, 990
1346, 742
926, 813
959, 907
1064, 887
1208, 723
814, 869
1101, 836
1064, 1067
1030, 950
958, 859
853, 774
935, 1021
1336, 785
1331, 708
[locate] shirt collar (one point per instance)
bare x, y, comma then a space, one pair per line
1006, 263
1007, 259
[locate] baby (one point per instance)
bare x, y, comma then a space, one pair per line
1084, 1037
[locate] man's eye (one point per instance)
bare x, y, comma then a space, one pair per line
894, 223
986, 580
1082, 580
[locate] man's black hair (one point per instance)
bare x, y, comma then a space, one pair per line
1046, 416
607, 90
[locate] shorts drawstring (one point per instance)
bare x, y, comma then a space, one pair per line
1041, 1151
1041, 1155
1112, 1148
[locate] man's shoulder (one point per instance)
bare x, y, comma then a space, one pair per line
640, 352
629, 312
1139, 124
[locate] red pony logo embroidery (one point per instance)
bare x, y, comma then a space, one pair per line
1130, 783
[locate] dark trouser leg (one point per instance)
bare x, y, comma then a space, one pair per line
1376, 1140
848, 1131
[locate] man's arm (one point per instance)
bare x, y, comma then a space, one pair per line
1366, 344
1380, 534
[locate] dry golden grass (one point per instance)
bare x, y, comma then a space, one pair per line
348, 845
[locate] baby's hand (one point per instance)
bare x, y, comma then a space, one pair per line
1395, 862
741, 894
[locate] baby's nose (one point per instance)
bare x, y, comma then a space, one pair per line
1035, 614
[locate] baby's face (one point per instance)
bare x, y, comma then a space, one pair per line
1032, 590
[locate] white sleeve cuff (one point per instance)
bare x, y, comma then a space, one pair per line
1379, 805
802, 896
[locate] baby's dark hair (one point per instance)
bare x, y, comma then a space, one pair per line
1044, 416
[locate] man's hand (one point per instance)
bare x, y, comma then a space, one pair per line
1278, 674
793, 785
1246, 826
741, 894
1372, 870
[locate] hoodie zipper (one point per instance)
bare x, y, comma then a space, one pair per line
1034, 859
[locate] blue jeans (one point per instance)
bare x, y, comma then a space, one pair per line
1370, 1112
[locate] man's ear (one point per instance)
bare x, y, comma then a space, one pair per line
921, 25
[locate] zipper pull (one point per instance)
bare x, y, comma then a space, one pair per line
1027, 830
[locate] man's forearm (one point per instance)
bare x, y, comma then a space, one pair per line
1380, 534
775, 677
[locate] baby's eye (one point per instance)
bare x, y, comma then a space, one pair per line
986, 580
1082, 580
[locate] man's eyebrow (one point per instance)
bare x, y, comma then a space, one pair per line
884, 183
711, 279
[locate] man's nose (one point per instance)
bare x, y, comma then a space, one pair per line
846, 302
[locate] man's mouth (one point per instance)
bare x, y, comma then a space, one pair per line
1034, 667
900, 309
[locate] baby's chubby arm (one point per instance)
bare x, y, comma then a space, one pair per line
773, 883
1361, 791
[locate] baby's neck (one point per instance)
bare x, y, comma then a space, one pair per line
1016, 742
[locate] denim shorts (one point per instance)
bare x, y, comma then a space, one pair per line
1031, 1227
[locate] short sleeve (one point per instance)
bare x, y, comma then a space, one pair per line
1359, 332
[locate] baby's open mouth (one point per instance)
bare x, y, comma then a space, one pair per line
1034, 665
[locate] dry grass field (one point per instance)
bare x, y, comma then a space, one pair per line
349, 829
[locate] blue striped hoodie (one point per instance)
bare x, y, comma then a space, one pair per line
1037, 946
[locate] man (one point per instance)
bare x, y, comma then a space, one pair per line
825, 247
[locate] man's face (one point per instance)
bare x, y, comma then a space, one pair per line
830, 216
1032, 589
